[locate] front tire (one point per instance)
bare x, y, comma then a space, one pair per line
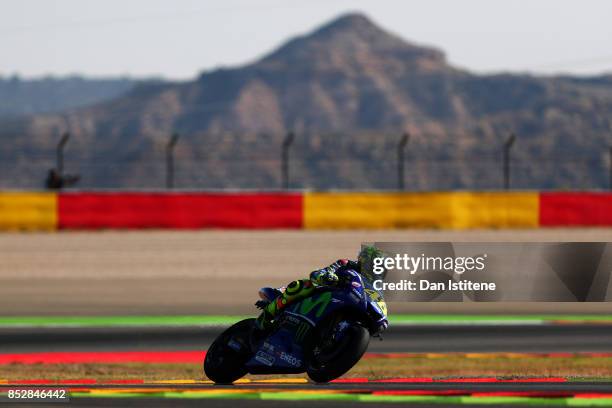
223, 364
332, 364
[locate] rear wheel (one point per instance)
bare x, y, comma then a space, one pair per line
224, 364
331, 358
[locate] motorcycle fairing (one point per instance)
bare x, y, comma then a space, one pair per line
279, 353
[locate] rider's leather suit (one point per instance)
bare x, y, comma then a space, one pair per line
299, 289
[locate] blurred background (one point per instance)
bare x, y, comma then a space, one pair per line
191, 115
161, 161
330, 95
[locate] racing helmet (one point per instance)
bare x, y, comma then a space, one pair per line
365, 260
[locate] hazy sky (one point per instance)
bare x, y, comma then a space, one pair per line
180, 38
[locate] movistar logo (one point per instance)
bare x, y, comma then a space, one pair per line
321, 301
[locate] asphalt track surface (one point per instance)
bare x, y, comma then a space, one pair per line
550, 389
472, 338
92, 402
464, 338
222, 403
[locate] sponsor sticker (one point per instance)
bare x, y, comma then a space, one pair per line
265, 358
294, 361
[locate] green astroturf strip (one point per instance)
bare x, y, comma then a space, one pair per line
589, 402
212, 395
126, 321
514, 400
117, 395
118, 321
451, 319
302, 396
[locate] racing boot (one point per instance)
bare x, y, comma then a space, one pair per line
267, 296
274, 301
270, 311
264, 321
267, 304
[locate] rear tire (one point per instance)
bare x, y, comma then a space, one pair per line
349, 352
224, 365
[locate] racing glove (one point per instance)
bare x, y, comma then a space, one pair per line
325, 277
261, 304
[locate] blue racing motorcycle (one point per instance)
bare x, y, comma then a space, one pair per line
324, 335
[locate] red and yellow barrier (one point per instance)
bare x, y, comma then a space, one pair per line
575, 209
184, 210
333, 210
28, 211
458, 210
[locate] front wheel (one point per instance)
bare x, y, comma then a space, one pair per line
227, 355
331, 361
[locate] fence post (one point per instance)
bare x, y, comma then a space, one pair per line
285, 159
507, 146
401, 148
170, 160
60, 153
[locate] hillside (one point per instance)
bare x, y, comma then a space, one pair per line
348, 90
51, 95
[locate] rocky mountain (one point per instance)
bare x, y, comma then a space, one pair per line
56, 94
348, 91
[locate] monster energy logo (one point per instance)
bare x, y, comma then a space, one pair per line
320, 301
301, 331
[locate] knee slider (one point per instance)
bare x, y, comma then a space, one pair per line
294, 287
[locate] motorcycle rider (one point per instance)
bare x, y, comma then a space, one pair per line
273, 301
